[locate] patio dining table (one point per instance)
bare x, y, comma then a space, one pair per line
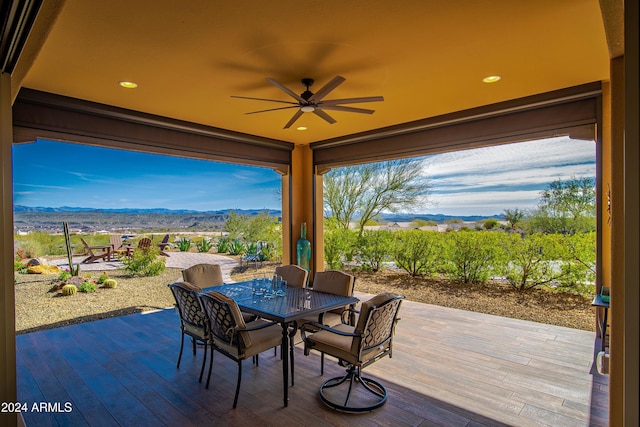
295, 304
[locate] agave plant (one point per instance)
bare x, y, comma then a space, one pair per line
223, 245
236, 248
204, 245
184, 245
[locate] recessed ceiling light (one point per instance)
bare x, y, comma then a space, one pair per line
301, 128
491, 79
128, 85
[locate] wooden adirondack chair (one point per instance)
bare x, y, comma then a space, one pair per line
105, 253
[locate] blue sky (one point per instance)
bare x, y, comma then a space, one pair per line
471, 182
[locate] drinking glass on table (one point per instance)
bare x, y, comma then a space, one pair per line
257, 290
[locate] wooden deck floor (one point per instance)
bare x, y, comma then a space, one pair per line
449, 367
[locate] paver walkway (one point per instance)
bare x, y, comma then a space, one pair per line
174, 260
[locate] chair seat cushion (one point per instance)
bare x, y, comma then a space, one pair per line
261, 340
334, 344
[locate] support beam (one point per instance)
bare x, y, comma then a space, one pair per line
8, 385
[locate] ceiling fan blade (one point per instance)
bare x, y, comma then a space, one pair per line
264, 99
324, 90
347, 109
286, 90
272, 109
324, 115
295, 117
352, 100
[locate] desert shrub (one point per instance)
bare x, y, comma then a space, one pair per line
471, 255
418, 252
579, 265
18, 264
490, 224
373, 248
267, 252
204, 245
145, 262
64, 275
104, 276
532, 261
87, 287
339, 244
184, 245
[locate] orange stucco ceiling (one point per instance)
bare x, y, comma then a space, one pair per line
426, 57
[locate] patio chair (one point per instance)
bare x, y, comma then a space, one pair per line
192, 319
234, 338
104, 254
337, 283
205, 276
117, 245
356, 347
293, 274
163, 244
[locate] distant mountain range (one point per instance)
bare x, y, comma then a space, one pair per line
138, 211
397, 217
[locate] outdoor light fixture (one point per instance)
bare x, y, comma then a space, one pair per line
128, 85
301, 128
307, 109
491, 79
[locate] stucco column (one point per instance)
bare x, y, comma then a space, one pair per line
302, 200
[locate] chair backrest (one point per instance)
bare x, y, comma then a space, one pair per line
203, 275
225, 319
376, 323
164, 241
334, 282
189, 308
294, 275
115, 241
144, 243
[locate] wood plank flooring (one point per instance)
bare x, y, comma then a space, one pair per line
449, 368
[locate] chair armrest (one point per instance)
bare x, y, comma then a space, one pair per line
315, 326
351, 311
257, 327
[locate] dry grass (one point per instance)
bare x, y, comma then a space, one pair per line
37, 308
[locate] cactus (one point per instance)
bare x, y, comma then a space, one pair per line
110, 283
69, 290
74, 270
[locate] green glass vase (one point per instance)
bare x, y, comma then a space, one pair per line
303, 248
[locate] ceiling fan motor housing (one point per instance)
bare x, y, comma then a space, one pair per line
307, 82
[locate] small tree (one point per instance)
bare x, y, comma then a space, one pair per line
513, 217
365, 191
567, 207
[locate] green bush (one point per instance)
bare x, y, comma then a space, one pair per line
471, 255
373, 248
87, 287
339, 244
532, 261
418, 252
64, 275
145, 262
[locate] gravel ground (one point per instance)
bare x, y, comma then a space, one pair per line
37, 308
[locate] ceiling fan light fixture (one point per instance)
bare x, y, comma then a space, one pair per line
307, 108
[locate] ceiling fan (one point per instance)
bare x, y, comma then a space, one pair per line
309, 102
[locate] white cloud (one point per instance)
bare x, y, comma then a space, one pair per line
488, 180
